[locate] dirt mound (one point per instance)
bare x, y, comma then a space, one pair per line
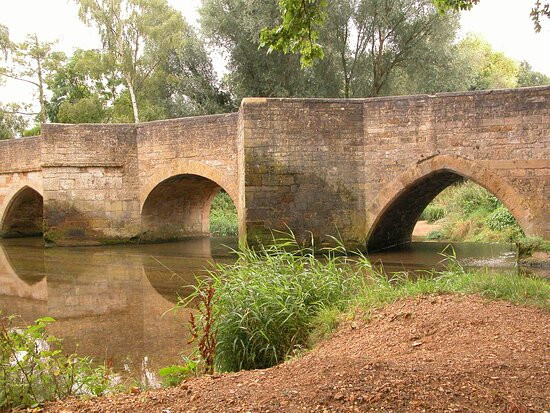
445, 353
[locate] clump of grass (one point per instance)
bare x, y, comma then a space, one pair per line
223, 216
265, 303
528, 245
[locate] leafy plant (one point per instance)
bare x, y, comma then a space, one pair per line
33, 368
501, 218
175, 374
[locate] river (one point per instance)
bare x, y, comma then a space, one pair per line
113, 303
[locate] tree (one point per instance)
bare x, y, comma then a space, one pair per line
12, 121
301, 20
298, 31
528, 77
137, 34
365, 43
375, 38
83, 87
234, 26
33, 60
489, 69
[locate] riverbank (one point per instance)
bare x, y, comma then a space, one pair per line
431, 353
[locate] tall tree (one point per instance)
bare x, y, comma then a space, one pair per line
137, 34
375, 38
528, 77
31, 62
12, 121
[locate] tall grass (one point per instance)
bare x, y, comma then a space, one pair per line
274, 302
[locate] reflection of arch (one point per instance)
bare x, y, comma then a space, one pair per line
23, 214
394, 212
25, 261
178, 207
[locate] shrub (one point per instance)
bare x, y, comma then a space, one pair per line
436, 234
223, 216
433, 213
33, 368
265, 303
500, 219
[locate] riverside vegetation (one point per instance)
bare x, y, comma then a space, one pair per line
468, 212
272, 304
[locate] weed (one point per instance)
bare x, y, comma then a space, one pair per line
33, 368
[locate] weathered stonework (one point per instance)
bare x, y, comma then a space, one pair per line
361, 170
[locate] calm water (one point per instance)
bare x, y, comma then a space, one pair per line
112, 302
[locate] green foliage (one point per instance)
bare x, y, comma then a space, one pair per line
528, 77
435, 235
85, 110
175, 374
298, 31
223, 216
490, 69
472, 214
12, 123
265, 304
33, 368
501, 218
34, 131
528, 245
433, 212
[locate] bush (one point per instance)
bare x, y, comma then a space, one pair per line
500, 219
223, 216
433, 213
265, 304
33, 368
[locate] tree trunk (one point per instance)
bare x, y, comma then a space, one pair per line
42, 114
133, 98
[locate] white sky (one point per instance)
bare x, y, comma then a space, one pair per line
504, 23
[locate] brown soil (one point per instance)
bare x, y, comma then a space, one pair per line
445, 353
423, 228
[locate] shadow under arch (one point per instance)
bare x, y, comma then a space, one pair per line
394, 212
23, 215
179, 207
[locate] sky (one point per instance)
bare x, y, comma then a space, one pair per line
504, 23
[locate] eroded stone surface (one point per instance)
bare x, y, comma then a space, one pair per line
358, 170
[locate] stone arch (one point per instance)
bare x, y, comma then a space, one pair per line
188, 167
176, 201
391, 216
23, 212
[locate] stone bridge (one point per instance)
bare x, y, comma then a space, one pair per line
361, 170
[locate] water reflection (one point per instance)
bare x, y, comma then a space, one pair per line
109, 302
112, 302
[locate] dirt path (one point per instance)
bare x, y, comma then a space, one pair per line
423, 228
445, 353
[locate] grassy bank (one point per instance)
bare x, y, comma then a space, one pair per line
271, 305
468, 212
